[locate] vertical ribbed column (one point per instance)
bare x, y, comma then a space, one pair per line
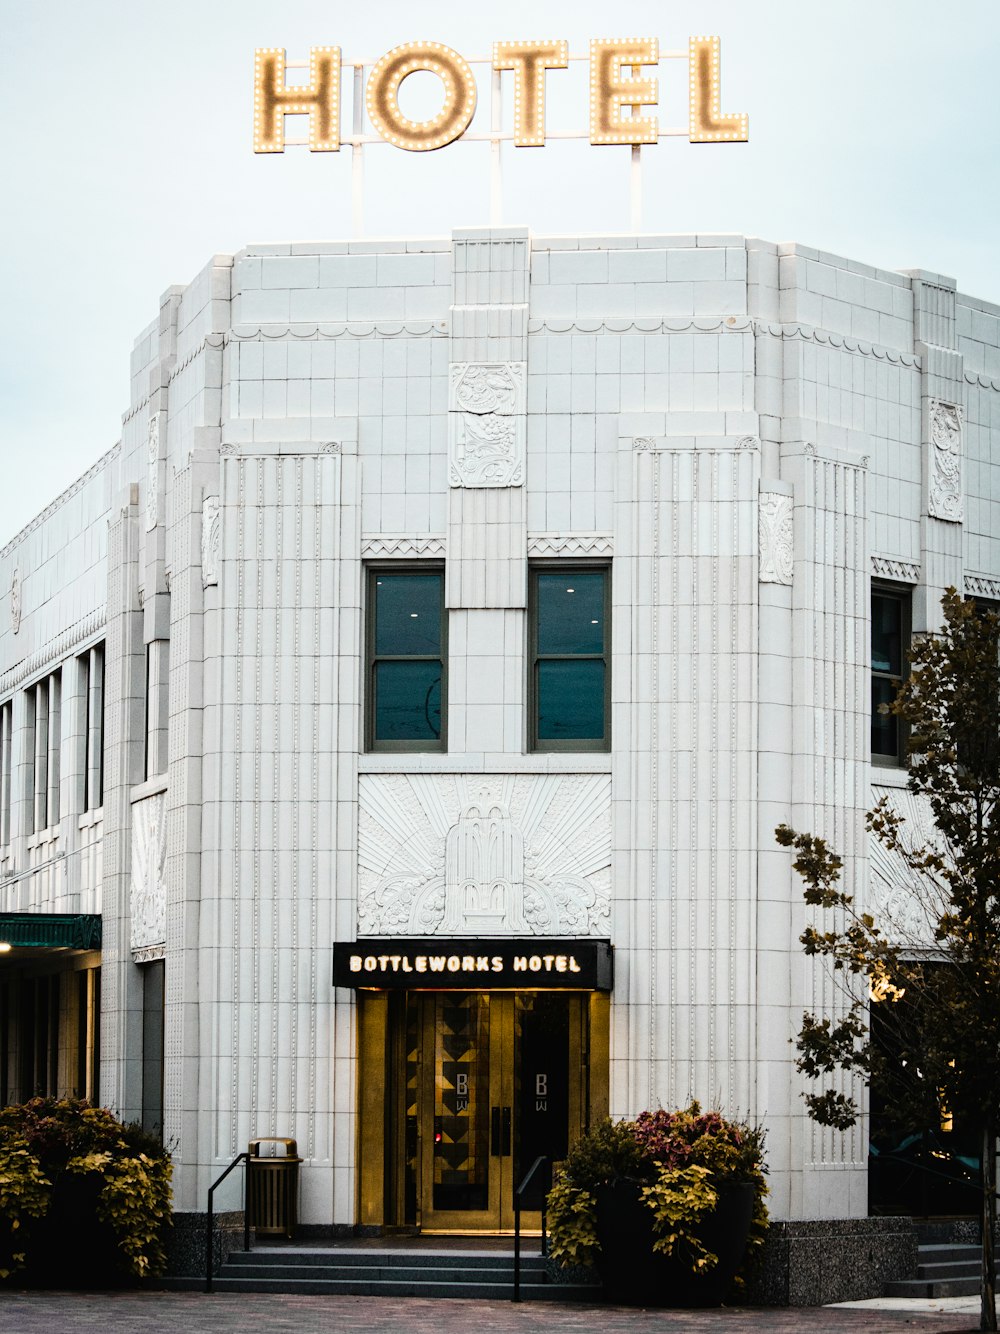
121, 994
830, 747
487, 535
183, 1099
285, 740
942, 435
684, 777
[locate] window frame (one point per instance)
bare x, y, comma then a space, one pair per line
43, 750
902, 595
92, 677
572, 745
371, 744
6, 772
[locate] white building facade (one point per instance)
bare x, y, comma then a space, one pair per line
488, 600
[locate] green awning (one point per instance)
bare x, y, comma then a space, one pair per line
51, 931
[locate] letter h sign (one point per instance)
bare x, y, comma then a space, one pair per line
272, 100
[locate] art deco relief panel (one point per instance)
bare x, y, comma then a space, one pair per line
484, 855
905, 907
148, 899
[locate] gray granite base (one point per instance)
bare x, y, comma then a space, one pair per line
186, 1242
815, 1261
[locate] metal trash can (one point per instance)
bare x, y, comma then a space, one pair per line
273, 1187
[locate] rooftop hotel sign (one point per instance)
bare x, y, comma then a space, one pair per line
619, 93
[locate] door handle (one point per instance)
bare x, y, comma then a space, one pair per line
505, 1133
495, 1132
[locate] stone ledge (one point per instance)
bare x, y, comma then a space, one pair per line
811, 1262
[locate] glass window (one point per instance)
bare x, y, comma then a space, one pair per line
570, 675
44, 708
406, 656
890, 635
92, 683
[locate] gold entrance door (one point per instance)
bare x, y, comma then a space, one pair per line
496, 1080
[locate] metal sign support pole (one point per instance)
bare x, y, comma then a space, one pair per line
357, 156
496, 149
636, 188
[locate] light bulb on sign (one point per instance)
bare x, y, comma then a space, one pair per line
273, 100
529, 61
382, 96
609, 92
707, 124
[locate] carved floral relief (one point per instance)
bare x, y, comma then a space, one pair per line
15, 601
211, 532
945, 463
486, 424
774, 524
152, 471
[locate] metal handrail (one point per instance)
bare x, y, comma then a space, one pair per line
519, 1191
240, 1158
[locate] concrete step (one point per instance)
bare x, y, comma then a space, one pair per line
395, 1272
944, 1269
942, 1253
951, 1269
370, 1274
917, 1287
428, 1287
336, 1257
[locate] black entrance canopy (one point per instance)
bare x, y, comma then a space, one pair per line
51, 931
444, 963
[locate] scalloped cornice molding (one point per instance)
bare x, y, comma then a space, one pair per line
61, 499
59, 647
887, 567
653, 324
983, 381
242, 333
808, 334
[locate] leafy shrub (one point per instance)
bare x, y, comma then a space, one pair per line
45, 1146
680, 1159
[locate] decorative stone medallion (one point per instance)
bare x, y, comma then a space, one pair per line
486, 423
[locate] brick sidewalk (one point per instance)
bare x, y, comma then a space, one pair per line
231, 1313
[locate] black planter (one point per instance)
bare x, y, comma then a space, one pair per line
70, 1247
634, 1274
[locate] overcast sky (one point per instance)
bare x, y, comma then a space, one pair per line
128, 163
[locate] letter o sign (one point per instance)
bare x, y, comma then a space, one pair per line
382, 98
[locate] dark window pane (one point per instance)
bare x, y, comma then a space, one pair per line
886, 636
885, 725
408, 614
570, 614
571, 701
407, 701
